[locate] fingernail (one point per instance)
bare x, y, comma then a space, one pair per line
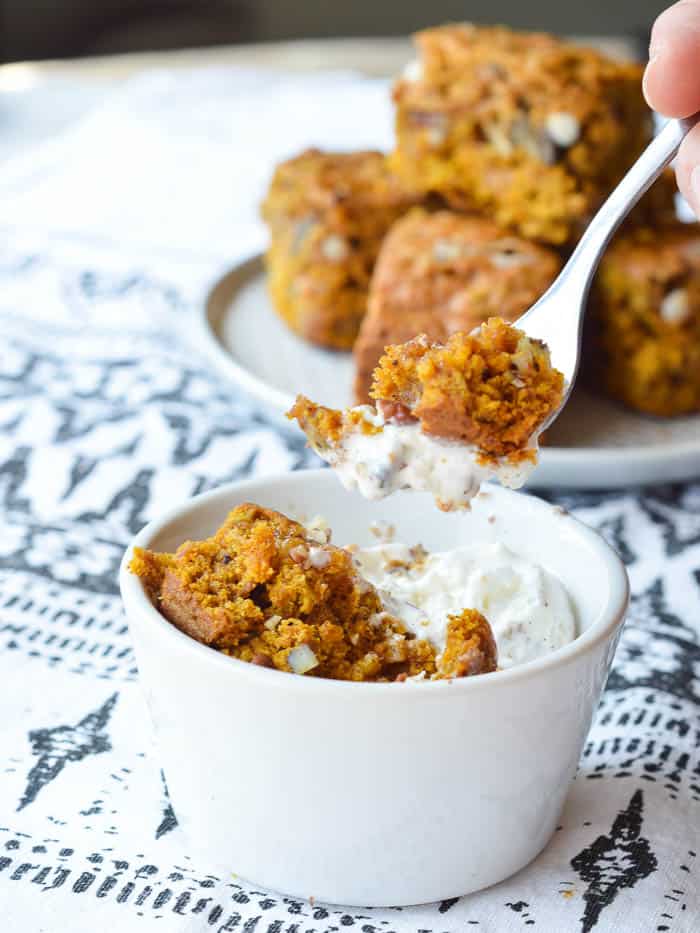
657, 49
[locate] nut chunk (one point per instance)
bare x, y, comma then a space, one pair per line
440, 273
265, 589
524, 127
327, 214
644, 335
470, 647
446, 417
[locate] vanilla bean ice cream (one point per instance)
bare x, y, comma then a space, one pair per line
528, 609
402, 456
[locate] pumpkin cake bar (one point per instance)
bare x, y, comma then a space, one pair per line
443, 272
447, 416
327, 214
644, 339
526, 128
268, 590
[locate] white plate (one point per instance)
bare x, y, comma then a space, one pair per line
595, 444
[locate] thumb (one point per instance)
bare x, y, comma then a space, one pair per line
672, 77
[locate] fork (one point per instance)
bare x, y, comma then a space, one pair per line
557, 317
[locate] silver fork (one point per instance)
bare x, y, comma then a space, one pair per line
557, 318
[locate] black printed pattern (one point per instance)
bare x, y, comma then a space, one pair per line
613, 862
657, 649
57, 747
168, 820
676, 510
107, 416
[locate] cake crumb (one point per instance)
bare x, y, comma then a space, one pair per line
383, 531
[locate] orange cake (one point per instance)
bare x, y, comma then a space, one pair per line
446, 416
444, 272
470, 647
268, 590
644, 334
531, 130
327, 213
492, 389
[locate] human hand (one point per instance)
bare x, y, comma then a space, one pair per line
672, 84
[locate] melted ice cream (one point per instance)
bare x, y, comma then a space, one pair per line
402, 456
528, 609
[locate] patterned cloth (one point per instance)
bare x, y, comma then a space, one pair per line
109, 415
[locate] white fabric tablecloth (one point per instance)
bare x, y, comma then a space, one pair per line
109, 235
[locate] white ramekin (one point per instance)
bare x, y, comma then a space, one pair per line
376, 794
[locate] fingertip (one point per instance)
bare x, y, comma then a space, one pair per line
651, 80
671, 81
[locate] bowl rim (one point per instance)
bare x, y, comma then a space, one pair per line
136, 600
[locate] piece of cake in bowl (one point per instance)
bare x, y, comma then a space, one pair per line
442, 272
527, 128
643, 338
266, 589
327, 213
445, 416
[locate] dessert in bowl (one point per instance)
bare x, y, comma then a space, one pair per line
378, 793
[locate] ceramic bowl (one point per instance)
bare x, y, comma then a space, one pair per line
376, 794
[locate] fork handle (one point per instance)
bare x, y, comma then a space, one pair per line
658, 154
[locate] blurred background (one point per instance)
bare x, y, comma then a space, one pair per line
37, 29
